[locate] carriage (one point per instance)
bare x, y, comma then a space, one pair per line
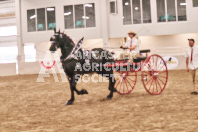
122, 74
154, 73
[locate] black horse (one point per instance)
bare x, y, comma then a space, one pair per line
75, 60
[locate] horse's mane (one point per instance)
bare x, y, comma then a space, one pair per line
66, 37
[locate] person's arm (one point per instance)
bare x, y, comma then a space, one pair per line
133, 47
126, 43
187, 61
187, 69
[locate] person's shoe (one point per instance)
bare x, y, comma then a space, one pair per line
194, 93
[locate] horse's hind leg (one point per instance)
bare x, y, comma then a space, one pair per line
73, 80
111, 86
114, 89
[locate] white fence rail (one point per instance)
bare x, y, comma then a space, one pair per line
169, 51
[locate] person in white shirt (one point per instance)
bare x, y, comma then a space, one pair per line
133, 45
192, 62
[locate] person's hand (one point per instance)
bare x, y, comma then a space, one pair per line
187, 69
123, 47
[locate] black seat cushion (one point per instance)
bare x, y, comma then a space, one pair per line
139, 59
145, 51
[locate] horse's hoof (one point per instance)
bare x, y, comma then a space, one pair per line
69, 102
83, 91
109, 97
114, 90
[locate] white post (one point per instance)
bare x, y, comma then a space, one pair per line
104, 14
20, 45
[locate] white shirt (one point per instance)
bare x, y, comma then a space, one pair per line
194, 64
134, 42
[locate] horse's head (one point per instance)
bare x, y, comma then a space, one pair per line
56, 41
62, 41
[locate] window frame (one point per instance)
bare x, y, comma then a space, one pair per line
47, 28
73, 11
84, 13
115, 6
176, 13
36, 19
141, 14
141, 5
194, 4
8, 35
45, 20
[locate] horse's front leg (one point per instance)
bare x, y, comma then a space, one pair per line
73, 81
72, 87
82, 91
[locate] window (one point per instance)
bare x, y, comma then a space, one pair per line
126, 12
136, 11
30, 52
31, 20
112, 7
90, 15
8, 31
40, 14
161, 10
79, 16
195, 3
41, 26
68, 16
8, 54
181, 9
166, 10
146, 8
171, 12
51, 22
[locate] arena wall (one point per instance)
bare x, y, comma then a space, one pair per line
114, 21
43, 36
8, 69
117, 29
162, 38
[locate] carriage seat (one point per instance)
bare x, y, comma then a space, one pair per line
139, 59
145, 51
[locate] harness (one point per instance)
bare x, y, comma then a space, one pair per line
75, 50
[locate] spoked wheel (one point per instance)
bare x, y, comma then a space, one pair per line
125, 81
154, 74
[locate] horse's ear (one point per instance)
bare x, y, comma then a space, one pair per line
54, 30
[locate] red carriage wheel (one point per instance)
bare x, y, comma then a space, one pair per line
154, 74
125, 81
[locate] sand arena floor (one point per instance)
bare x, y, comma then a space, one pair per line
28, 106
